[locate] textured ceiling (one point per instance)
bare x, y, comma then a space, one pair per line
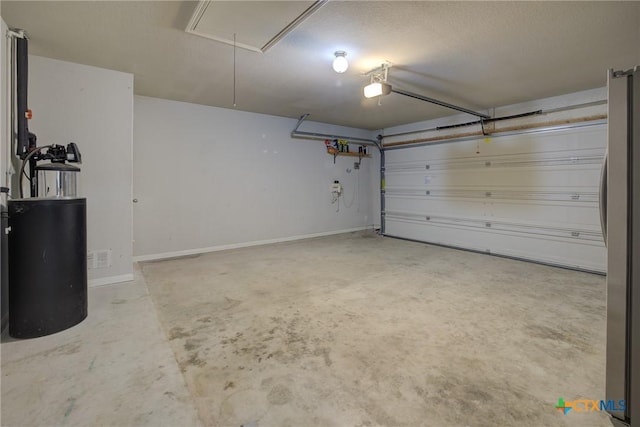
475, 54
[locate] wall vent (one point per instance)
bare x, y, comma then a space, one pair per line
99, 259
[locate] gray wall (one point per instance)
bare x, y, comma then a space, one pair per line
92, 107
210, 178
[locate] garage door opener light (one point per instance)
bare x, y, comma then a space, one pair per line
378, 85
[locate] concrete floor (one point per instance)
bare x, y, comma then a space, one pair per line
349, 330
113, 369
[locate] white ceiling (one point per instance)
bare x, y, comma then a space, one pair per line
475, 54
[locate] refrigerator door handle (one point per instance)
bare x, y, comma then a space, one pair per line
603, 196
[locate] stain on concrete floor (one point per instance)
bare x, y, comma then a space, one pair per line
362, 330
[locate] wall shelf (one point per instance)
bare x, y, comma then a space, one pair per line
348, 154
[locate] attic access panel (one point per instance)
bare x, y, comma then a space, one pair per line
258, 25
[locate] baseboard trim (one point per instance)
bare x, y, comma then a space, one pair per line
175, 254
110, 280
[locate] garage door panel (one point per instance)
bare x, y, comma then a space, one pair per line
505, 178
557, 213
584, 254
521, 191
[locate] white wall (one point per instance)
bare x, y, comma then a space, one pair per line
209, 178
92, 107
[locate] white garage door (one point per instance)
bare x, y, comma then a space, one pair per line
532, 196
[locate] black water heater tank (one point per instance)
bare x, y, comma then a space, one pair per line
47, 265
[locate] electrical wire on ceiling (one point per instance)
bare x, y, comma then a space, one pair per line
482, 122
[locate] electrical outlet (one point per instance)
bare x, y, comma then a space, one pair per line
336, 187
356, 165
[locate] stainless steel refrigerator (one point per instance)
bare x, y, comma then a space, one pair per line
620, 205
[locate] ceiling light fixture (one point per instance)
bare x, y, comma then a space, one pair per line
340, 63
378, 85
